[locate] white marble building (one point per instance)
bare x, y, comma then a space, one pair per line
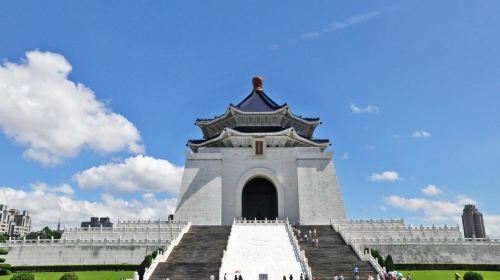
259, 160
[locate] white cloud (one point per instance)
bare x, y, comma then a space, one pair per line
386, 176
353, 20
42, 187
345, 155
433, 210
367, 109
492, 225
432, 190
139, 173
420, 134
47, 207
55, 117
337, 25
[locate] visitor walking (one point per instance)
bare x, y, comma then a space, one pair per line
240, 277
336, 277
284, 277
370, 277
341, 277
212, 277
291, 277
225, 276
301, 277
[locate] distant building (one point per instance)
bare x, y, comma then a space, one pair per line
98, 222
14, 222
472, 221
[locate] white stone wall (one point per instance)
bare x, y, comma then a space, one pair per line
200, 193
305, 179
442, 252
78, 255
320, 198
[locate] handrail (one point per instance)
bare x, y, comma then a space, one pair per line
162, 257
304, 263
362, 254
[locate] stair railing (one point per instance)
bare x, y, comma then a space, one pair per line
364, 255
163, 256
301, 253
221, 271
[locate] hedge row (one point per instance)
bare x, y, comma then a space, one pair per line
437, 266
68, 268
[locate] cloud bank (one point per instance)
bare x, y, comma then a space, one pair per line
139, 173
55, 117
367, 109
386, 176
46, 207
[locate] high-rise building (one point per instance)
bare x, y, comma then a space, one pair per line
97, 222
14, 222
472, 221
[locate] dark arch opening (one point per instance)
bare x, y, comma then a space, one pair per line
259, 200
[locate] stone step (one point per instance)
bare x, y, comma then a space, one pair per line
197, 256
333, 255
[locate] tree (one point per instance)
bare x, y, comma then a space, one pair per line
23, 276
389, 264
45, 233
472, 276
69, 276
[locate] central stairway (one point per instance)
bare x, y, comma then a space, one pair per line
333, 255
197, 256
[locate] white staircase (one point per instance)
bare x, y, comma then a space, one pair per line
262, 247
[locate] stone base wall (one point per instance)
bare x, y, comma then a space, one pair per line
442, 253
77, 255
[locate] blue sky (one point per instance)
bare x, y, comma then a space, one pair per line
409, 88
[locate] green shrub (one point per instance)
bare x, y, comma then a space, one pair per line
380, 261
5, 266
69, 276
148, 261
2, 260
389, 264
3, 251
23, 276
446, 266
5, 272
69, 268
154, 254
472, 276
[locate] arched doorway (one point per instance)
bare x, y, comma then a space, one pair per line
259, 200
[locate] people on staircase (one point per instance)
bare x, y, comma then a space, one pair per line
370, 277
291, 277
212, 277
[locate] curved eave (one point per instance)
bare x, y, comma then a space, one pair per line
290, 132
232, 110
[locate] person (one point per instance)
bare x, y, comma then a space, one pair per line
378, 277
212, 277
370, 277
356, 271
305, 237
307, 277
357, 276
314, 231
301, 277
284, 277
240, 277
291, 277
225, 276
341, 277
408, 277
336, 277
235, 277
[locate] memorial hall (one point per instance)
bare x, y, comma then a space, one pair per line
259, 199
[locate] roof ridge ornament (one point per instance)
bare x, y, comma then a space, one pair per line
257, 82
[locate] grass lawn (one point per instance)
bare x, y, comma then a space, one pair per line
447, 274
82, 275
